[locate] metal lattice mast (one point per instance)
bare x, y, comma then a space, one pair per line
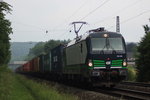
117, 24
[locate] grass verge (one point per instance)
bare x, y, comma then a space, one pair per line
16, 87
132, 73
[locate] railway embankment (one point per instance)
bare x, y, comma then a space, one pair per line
82, 92
16, 87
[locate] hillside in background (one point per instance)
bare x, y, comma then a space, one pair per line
19, 50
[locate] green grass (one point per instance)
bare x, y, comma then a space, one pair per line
132, 73
17, 87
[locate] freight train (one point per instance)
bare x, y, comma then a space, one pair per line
98, 57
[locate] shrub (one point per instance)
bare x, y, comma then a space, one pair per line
132, 73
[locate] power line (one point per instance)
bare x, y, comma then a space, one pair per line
29, 25
47, 31
120, 11
66, 32
39, 28
94, 10
67, 18
131, 18
79, 8
72, 15
135, 16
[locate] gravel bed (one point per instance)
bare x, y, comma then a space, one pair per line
83, 94
80, 93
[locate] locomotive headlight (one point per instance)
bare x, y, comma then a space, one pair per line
90, 64
124, 63
105, 35
108, 62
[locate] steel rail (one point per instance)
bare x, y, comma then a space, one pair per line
136, 84
125, 93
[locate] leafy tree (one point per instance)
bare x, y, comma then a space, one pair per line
143, 59
5, 30
53, 43
131, 47
147, 29
36, 50
42, 47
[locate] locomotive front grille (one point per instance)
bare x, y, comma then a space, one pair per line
116, 63
99, 64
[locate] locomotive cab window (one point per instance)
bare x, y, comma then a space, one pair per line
116, 43
107, 44
98, 44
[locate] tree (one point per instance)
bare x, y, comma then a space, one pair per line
51, 44
36, 50
131, 47
44, 47
5, 30
143, 57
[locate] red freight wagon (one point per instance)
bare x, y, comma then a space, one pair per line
34, 64
26, 67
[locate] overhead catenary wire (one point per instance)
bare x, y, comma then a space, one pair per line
131, 18
72, 15
38, 29
56, 29
88, 13
113, 16
94, 9
28, 25
135, 16
66, 32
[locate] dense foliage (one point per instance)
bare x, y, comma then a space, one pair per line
131, 47
143, 59
132, 73
53, 43
5, 30
44, 47
36, 50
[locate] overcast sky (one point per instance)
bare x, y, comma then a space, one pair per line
32, 18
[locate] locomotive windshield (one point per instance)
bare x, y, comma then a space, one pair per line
107, 44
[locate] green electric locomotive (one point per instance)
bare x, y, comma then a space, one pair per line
97, 57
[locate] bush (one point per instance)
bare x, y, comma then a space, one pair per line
132, 73
17, 87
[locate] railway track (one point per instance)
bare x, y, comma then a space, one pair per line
119, 92
128, 90
136, 84
125, 93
